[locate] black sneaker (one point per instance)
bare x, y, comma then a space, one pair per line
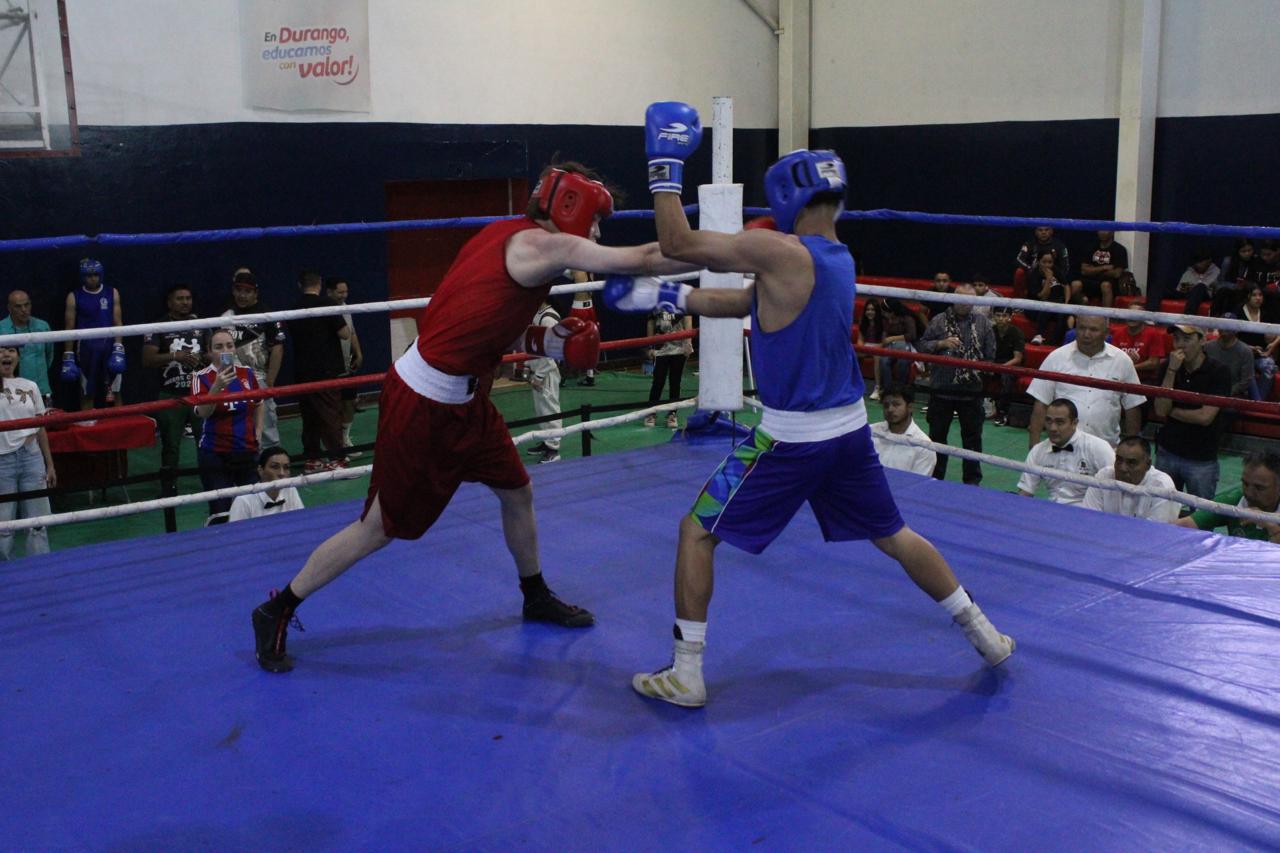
540, 447
549, 608
587, 380
270, 632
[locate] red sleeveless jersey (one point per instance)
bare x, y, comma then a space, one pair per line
478, 310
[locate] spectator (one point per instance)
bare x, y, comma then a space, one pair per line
352, 358
228, 445
1133, 466
1239, 269
1263, 345
258, 345
1143, 343
317, 353
668, 360
1042, 241
1187, 444
957, 391
1010, 347
1227, 349
1269, 268
25, 462
1044, 284
1259, 489
1199, 283
177, 355
96, 362
1128, 285
982, 287
37, 359
896, 400
1100, 272
1100, 411
941, 284
899, 334
1067, 448
544, 382
273, 464
871, 333
584, 309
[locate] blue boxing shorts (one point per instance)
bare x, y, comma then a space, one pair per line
761, 485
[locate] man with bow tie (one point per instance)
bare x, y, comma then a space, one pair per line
1066, 449
273, 464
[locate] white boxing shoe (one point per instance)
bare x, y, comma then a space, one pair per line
990, 643
680, 683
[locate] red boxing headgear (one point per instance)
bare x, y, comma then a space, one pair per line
572, 201
768, 223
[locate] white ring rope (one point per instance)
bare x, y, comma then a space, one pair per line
57, 519
1194, 501
909, 294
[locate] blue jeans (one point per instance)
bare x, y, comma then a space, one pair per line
896, 371
1195, 476
23, 471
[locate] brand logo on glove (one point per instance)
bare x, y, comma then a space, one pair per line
676, 131
660, 172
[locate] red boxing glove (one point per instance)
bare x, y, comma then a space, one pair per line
573, 341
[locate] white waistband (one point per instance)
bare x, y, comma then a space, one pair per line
797, 427
431, 383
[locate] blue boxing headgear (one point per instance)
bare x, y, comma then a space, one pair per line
88, 267
793, 181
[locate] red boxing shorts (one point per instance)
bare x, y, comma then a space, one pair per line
425, 450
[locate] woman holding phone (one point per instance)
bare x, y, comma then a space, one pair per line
229, 440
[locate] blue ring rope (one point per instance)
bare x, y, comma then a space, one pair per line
885, 215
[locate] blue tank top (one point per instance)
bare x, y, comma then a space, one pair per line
809, 365
94, 311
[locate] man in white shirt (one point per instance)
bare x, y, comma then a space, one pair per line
1100, 411
1133, 466
896, 401
273, 464
1067, 449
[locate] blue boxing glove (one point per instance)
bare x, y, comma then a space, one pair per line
115, 361
642, 294
672, 131
70, 370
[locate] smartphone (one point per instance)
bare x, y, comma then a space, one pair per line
226, 359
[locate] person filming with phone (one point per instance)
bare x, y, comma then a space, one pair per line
229, 440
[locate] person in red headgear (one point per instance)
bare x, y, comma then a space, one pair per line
435, 431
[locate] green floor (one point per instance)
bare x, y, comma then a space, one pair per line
515, 403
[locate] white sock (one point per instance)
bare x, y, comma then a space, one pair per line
346, 435
956, 602
692, 632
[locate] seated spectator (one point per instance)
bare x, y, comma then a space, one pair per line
1269, 266
1102, 268
37, 359
273, 464
26, 465
871, 333
1264, 346
1066, 449
1128, 285
957, 391
1188, 442
897, 402
1133, 466
1259, 489
1042, 241
1199, 282
1044, 284
228, 446
899, 334
982, 287
1101, 411
1010, 346
1227, 349
1239, 270
1143, 343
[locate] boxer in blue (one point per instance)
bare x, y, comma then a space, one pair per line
813, 443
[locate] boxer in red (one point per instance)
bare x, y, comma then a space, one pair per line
435, 432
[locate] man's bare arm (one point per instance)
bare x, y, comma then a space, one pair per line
535, 257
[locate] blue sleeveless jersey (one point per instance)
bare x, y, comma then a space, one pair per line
94, 311
809, 365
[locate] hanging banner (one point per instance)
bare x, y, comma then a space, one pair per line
306, 54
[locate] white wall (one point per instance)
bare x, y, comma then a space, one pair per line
906, 62
146, 62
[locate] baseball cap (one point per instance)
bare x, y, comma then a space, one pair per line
244, 276
1187, 329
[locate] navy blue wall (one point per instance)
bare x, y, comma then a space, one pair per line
130, 179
